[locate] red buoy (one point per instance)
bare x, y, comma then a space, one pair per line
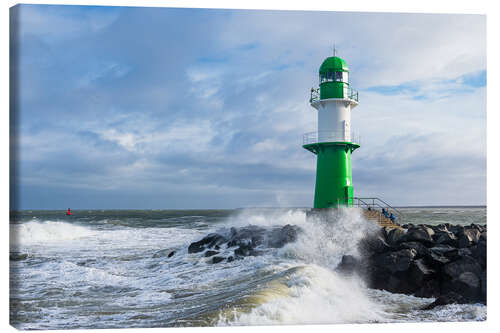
69, 212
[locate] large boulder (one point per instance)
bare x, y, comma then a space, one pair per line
439, 256
478, 252
468, 237
17, 256
420, 272
464, 264
419, 234
396, 261
374, 244
446, 238
436, 260
396, 236
249, 235
208, 241
420, 249
281, 236
467, 284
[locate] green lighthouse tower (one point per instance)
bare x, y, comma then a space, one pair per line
334, 141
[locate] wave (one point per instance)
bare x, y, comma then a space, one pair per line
35, 232
312, 295
57, 233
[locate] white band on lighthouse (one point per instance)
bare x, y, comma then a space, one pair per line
334, 119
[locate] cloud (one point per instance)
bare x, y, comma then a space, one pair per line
123, 108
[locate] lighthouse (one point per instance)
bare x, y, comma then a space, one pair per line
334, 141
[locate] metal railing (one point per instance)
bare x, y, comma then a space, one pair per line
377, 204
351, 94
327, 136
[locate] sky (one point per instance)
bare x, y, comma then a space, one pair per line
161, 108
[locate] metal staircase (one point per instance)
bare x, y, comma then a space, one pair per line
372, 210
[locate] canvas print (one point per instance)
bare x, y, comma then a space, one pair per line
176, 167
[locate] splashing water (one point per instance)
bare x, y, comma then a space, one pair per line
316, 293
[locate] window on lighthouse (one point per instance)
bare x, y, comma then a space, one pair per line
338, 76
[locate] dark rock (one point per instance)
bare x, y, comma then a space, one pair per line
247, 250
421, 250
464, 264
208, 241
419, 234
463, 252
248, 236
171, 254
420, 272
374, 244
395, 236
468, 237
429, 288
216, 260
443, 250
396, 261
449, 298
436, 261
428, 228
230, 258
17, 256
243, 250
469, 285
456, 229
439, 228
446, 238
483, 287
210, 253
478, 227
478, 252
466, 284
281, 236
349, 264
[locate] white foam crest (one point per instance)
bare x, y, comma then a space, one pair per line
56, 233
316, 296
36, 232
70, 273
267, 217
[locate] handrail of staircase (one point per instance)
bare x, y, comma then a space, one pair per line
400, 215
374, 205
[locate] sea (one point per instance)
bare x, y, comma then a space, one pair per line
112, 269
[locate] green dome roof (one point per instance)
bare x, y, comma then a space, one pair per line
333, 64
